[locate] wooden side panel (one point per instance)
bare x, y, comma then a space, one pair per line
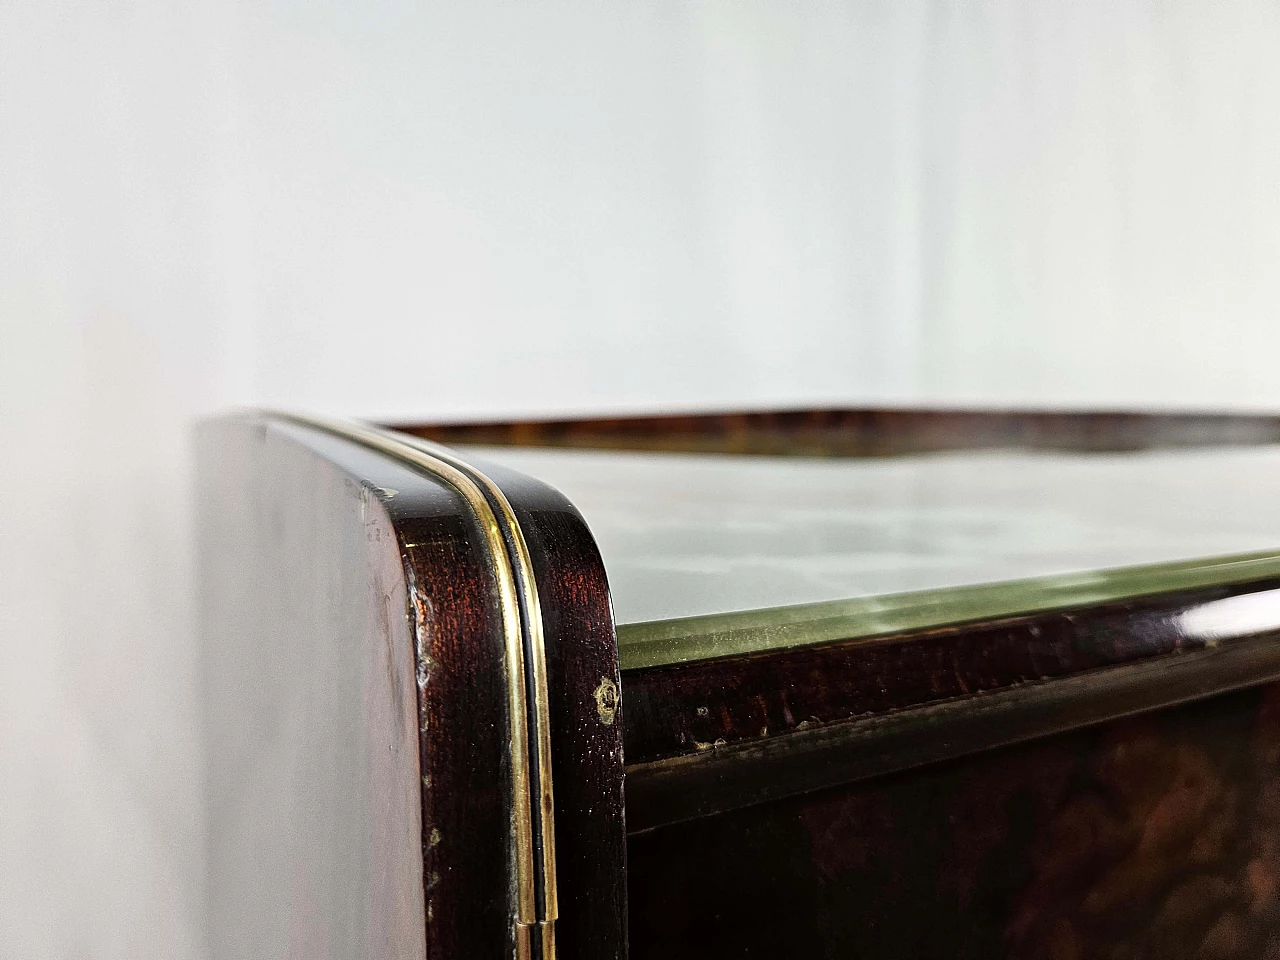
359, 737
359, 776
1154, 837
466, 778
311, 712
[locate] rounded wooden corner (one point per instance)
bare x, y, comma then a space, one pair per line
507, 633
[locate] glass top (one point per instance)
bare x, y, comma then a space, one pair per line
711, 555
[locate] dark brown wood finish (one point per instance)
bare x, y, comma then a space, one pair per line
712, 735
867, 432
314, 796
295, 686
1152, 838
983, 789
1093, 781
586, 732
1089, 782
674, 711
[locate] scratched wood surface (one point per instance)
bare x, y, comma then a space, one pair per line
586, 718
308, 668
359, 773
1070, 783
1153, 837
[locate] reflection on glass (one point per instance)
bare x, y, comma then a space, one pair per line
715, 555
1232, 617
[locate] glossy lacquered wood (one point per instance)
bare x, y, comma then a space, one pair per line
1153, 838
866, 432
315, 805
1088, 780
713, 735
1091, 777
313, 638
586, 717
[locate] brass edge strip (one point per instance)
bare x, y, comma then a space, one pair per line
537, 660
468, 482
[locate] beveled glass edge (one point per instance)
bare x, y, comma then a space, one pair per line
662, 643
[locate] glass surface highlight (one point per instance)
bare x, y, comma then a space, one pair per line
720, 555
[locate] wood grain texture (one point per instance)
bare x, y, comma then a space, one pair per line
712, 735
676, 710
586, 747
1153, 837
358, 707
866, 432
812, 801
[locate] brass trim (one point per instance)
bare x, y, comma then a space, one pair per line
516, 593
523, 940
538, 658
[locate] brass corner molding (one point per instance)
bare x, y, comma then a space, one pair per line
533, 809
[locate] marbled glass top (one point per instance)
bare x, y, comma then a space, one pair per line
709, 555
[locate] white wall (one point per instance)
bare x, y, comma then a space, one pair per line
408, 209
1047, 203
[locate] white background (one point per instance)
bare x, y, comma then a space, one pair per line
396, 208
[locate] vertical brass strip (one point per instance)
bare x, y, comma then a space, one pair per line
538, 661
516, 594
